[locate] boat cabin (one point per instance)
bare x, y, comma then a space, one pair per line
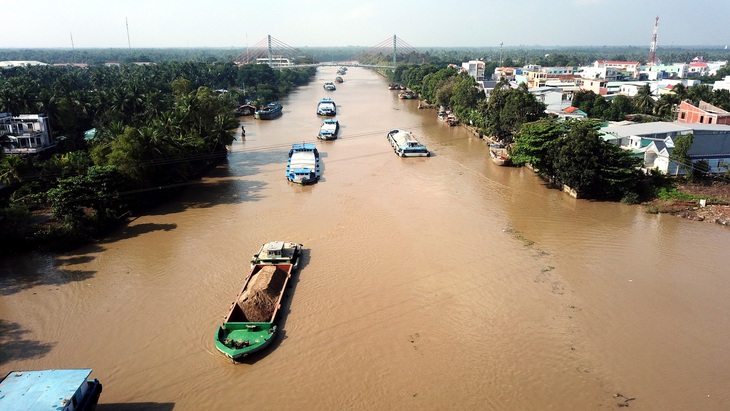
63, 390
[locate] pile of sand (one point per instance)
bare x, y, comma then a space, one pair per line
258, 301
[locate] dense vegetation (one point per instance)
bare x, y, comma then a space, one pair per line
566, 153
156, 127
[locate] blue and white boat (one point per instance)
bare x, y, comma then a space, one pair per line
61, 390
326, 107
303, 165
406, 145
329, 130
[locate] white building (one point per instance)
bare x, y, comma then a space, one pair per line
475, 69
723, 84
25, 134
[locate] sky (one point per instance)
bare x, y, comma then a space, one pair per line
305, 23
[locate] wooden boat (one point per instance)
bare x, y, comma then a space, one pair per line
278, 252
245, 110
329, 130
62, 390
326, 107
271, 111
499, 154
406, 145
303, 165
250, 325
407, 95
339, 79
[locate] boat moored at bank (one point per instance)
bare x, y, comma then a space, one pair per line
499, 154
271, 111
303, 165
326, 107
405, 144
62, 390
330, 129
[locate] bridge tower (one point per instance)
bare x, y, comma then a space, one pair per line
395, 50
270, 54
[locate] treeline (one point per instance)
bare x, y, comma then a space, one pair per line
567, 153
128, 135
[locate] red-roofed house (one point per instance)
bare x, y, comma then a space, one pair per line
698, 69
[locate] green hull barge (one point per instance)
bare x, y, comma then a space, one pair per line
250, 325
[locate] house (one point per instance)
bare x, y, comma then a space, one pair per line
723, 84
706, 113
475, 69
655, 140
25, 134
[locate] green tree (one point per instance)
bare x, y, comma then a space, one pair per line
680, 152
532, 144
507, 109
643, 101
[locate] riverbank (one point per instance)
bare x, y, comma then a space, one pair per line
716, 209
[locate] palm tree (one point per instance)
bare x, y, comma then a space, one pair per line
643, 101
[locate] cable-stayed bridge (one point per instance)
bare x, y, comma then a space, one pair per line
278, 54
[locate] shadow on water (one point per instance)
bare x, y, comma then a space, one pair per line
133, 406
14, 347
25, 273
283, 313
133, 231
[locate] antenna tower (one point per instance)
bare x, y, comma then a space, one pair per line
129, 43
652, 46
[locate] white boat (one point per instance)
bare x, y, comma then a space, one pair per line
62, 390
406, 145
329, 86
326, 107
329, 130
499, 154
278, 252
303, 165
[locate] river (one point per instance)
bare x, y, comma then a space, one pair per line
427, 283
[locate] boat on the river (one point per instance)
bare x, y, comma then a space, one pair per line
407, 95
62, 390
303, 165
245, 110
499, 154
326, 107
339, 79
271, 111
250, 325
406, 145
278, 252
329, 130
329, 86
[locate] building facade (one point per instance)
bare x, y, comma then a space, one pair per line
25, 134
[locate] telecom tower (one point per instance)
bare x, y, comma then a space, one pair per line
652, 47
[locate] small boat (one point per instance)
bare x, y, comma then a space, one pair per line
278, 252
272, 110
339, 79
245, 110
499, 154
329, 130
329, 86
303, 165
326, 107
250, 325
406, 145
407, 95
62, 390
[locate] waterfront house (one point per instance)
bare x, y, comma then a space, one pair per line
655, 142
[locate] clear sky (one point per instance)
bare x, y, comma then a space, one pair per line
306, 23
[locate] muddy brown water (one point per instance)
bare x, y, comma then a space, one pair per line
427, 283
